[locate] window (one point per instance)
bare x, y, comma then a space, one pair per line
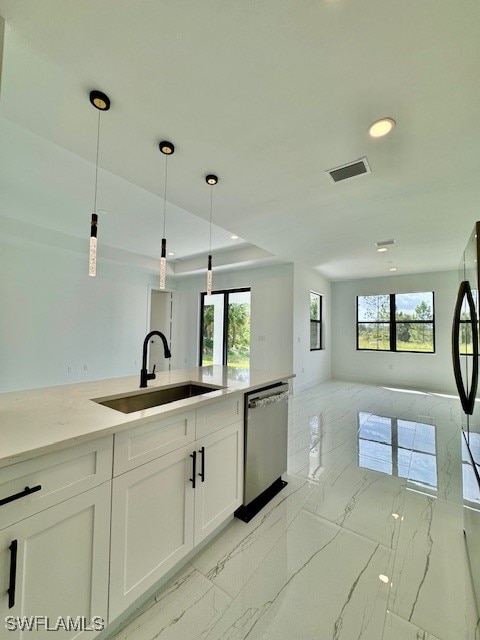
396, 322
315, 321
225, 328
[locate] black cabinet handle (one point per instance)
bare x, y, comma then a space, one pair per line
468, 401
26, 492
194, 468
13, 574
202, 472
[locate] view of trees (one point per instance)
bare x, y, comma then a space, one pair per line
414, 326
208, 328
238, 338
238, 343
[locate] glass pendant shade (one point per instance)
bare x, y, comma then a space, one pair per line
163, 264
209, 276
92, 259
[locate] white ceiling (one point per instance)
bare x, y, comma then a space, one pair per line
269, 94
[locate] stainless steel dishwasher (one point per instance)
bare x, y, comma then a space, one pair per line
266, 425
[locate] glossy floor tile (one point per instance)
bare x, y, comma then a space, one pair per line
362, 501
398, 629
319, 581
431, 584
365, 542
231, 559
187, 607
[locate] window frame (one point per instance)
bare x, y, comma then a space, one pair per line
319, 322
225, 293
392, 324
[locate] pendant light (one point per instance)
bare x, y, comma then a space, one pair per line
101, 102
211, 180
167, 149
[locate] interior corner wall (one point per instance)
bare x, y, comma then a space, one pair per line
58, 325
310, 367
432, 372
271, 315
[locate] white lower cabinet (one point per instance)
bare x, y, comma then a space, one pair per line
219, 486
54, 565
152, 525
159, 513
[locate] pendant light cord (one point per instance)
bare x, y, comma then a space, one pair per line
165, 197
96, 164
211, 207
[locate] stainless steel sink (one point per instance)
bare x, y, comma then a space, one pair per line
155, 397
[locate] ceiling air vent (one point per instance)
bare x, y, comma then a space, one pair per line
384, 243
350, 170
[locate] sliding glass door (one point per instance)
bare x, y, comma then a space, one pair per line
225, 328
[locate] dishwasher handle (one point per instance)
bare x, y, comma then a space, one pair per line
258, 403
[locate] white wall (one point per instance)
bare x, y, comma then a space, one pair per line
423, 371
311, 367
271, 315
55, 317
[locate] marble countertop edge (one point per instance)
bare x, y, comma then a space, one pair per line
36, 422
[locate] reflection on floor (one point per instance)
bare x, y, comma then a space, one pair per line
366, 541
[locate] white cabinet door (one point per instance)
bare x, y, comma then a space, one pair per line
152, 525
61, 565
219, 485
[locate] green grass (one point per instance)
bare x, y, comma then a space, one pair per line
384, 345
241, 364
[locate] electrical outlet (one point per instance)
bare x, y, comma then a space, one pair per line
261, 338
85, 368
69, 369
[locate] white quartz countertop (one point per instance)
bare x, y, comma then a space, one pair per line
38, 421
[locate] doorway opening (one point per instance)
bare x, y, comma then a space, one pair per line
161, 312
225, 328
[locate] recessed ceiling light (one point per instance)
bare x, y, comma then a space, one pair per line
384, 578
381, 127
211, 179
393, 268
234, 237
382, 249
170, 253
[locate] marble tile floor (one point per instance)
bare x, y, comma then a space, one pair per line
365, 543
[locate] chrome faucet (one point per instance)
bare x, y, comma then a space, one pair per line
144, 375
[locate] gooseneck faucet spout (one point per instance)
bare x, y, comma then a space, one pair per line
144, 375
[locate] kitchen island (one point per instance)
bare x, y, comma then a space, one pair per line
97, 506
38, 421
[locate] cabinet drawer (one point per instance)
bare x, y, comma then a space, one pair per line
60, 475
152, 440
218, 415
